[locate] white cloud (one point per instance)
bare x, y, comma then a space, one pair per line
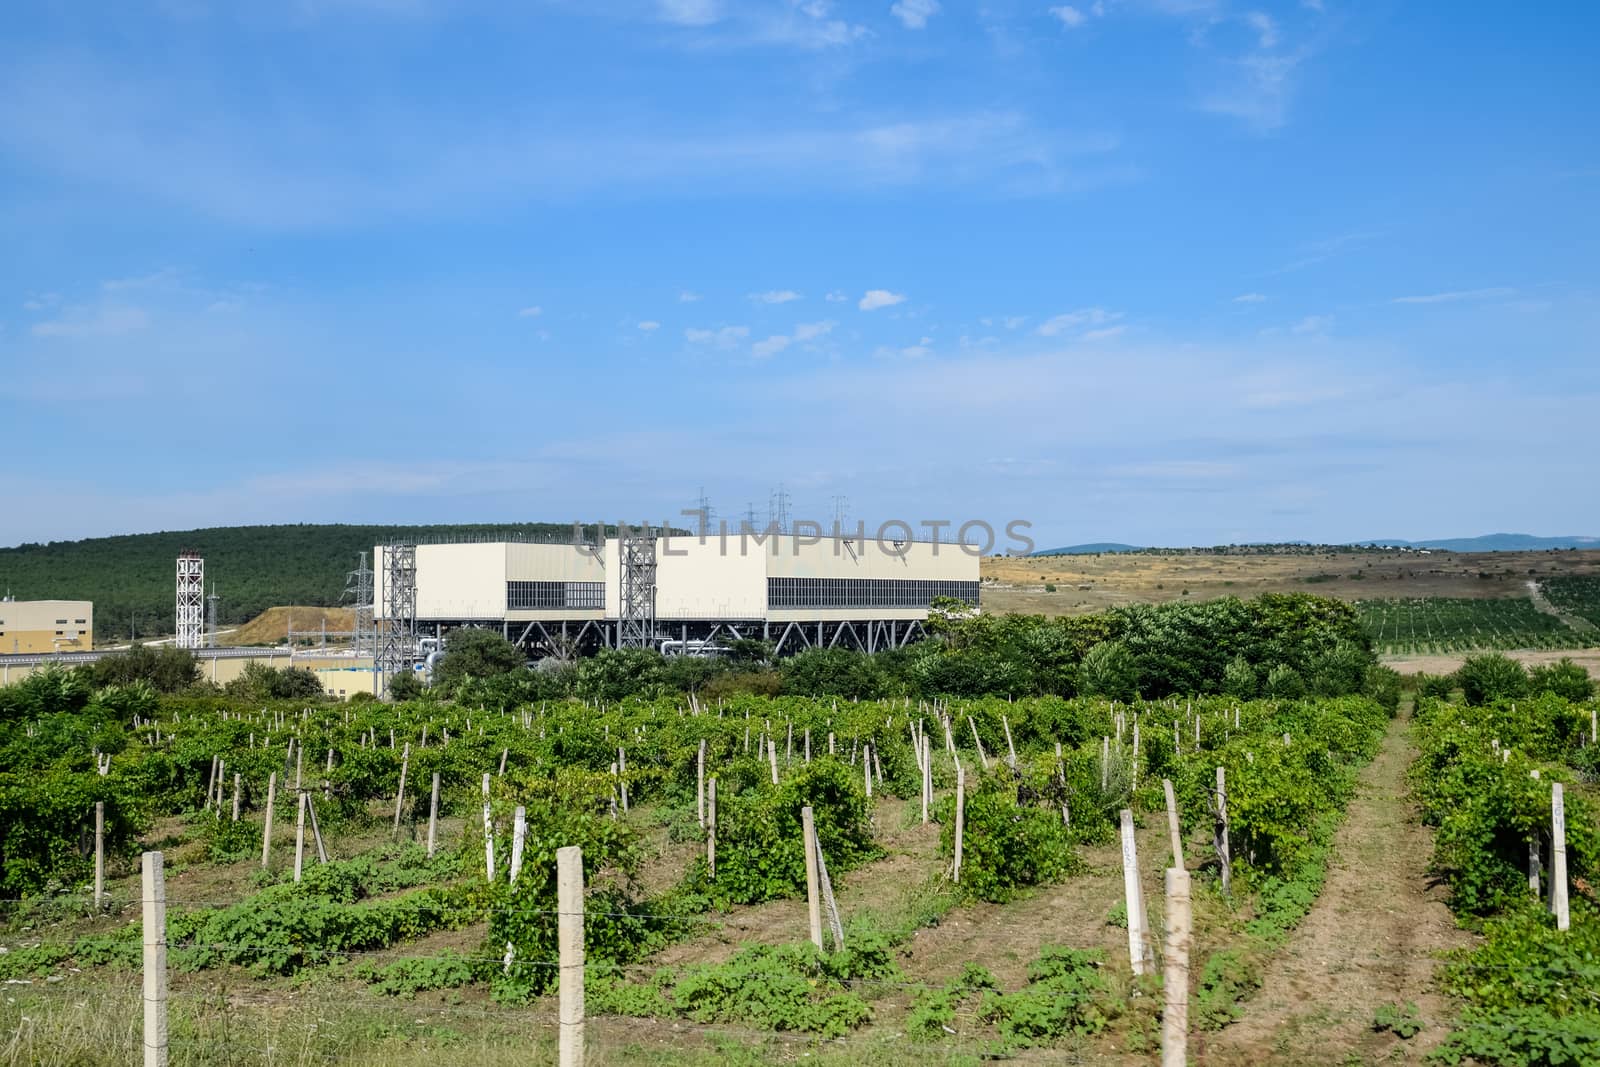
838, 296
100, 322
874, 299
1452, 297
770, 347
1258, 92
531, 312
775, 296
1266, 29
725, 337
689, 12
687, 297
1105, 334
917, 351
649, 324
1072, 320
1249, 298
810, 331
1312, 324
914, 14
1070, 16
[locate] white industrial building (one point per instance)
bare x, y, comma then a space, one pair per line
678, 593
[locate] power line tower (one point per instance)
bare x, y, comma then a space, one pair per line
191, 600
780, 509
636, 547
750, 526
397, 639
358, 587
211, 617
841, 506
706, 512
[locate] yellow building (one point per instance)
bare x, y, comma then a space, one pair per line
30, 626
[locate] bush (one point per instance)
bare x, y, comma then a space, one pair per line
1285, 683
1490, 677
1239, 678
1109, 671
1563, 678
1007, 844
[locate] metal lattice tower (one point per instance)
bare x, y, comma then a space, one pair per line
211, 617
778, 512
637, 549
397, 637
191, 600
358, 586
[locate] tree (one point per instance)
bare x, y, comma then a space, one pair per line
1563, 678
167, 670
474, 653
1487, 678
259, 682
1109, 670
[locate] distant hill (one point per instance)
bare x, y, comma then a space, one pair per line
1499, 542
130, 578
1089, 549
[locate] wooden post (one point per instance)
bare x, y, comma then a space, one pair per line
927, 782
236, 796
1175, 983
155, 960
433, 815
488, 832
300, 834
1105, 764
772, 757
978, 741
1533, 858
808, 828
504, 752
711, 828
700, 784
1011, 748
569, 921
1224, 857
1172, 823
866, 768
400, 794
1558, 856
266, 829
622, 776
961, 818
519, 836
316, 831
99, 854
1133, 895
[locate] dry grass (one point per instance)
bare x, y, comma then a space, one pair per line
271, 626
1086, 584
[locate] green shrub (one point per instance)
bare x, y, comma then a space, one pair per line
1563, 678
1008, 844
1492, 676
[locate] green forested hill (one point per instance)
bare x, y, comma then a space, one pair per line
130, 578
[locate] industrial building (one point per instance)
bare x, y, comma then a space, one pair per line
683, 593
43, 626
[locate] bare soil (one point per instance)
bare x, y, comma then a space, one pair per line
1372, 938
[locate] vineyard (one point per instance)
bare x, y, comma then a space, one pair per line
430, 930
1435, 625
1578, 596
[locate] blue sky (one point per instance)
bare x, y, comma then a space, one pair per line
1159, 271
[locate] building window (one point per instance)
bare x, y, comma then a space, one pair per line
81, 622
527, 596
61, 622
864, 592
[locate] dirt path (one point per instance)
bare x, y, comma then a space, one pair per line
1371, 939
